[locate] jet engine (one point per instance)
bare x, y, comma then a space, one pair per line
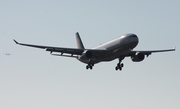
138, 57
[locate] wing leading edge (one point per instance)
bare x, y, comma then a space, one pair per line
73, 51
147, 53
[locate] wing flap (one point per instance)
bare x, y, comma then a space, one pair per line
65, 50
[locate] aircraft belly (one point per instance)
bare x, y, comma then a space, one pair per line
86, 61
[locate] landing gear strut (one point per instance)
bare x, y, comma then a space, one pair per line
119, 65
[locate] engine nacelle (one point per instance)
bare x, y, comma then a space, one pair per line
88, 54
138, 57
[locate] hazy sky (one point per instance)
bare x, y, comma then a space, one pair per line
31, 78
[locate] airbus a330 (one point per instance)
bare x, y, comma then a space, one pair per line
118, 48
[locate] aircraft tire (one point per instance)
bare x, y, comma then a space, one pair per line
91, 67
116, 68
122, 65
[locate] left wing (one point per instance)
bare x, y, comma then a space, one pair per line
72, 51
147, 53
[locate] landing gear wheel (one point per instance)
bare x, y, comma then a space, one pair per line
122, 65
91, 67
116, 68
120, 68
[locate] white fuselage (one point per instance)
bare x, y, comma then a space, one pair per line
114, 48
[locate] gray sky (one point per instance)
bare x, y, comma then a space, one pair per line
31, 78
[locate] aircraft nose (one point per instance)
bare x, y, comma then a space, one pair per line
134, 38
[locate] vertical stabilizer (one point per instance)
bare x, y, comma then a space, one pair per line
79, 42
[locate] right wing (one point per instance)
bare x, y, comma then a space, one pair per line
71, 51
148, 52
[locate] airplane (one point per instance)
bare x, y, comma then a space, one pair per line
118, 48
7, 54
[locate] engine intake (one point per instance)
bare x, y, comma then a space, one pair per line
138, 57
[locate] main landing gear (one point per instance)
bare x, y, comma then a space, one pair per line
90, 65
119, 65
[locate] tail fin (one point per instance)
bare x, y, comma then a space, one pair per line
79, 42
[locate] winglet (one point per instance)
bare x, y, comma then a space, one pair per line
174, 48
15, 41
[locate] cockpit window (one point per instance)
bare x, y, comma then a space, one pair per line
133, 36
